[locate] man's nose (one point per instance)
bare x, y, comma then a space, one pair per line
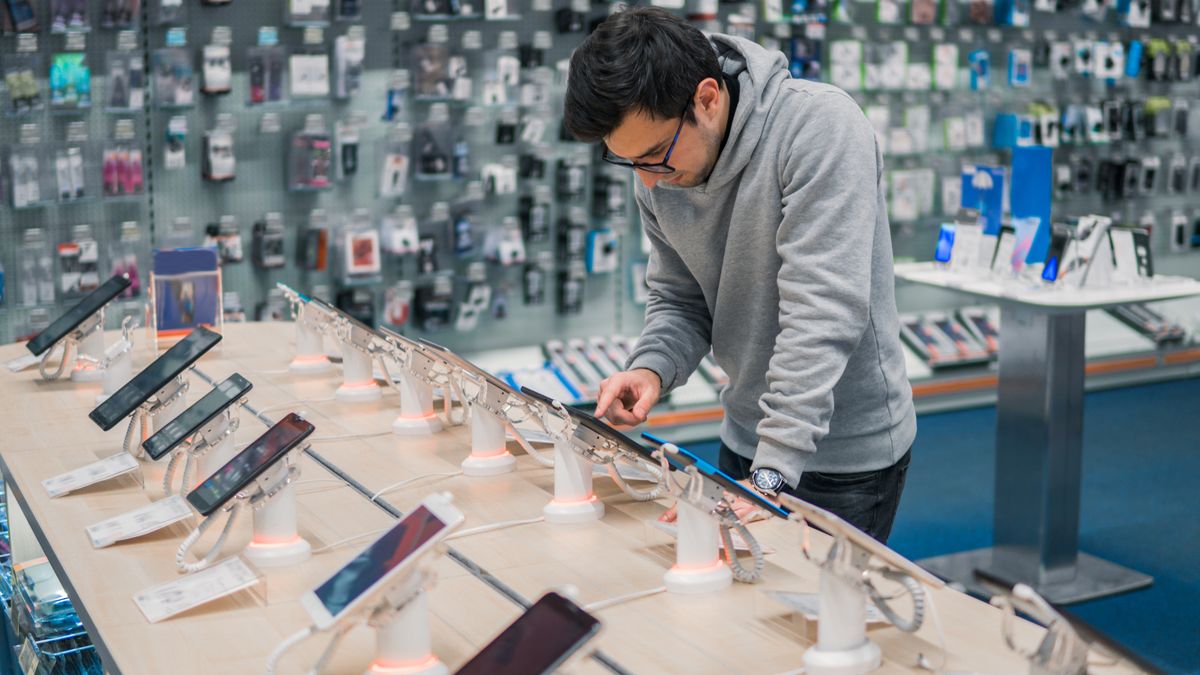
649, 178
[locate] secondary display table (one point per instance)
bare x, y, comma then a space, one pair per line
1039, 434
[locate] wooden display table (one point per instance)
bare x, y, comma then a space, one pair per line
481, 582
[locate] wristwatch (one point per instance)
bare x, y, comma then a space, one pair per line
767, 482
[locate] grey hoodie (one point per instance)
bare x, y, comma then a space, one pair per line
782, 263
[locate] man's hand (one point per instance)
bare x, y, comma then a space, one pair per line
626, 398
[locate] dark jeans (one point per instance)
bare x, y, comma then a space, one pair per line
867, 500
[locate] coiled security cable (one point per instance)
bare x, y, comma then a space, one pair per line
181, 555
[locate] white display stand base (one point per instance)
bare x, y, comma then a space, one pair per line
862, 659
842, 646
310, 348
698, 566
309, 364
358, 379
404, 643
574, 501
416, 409
489, 450
276, 542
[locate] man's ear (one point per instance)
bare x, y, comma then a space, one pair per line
707, 100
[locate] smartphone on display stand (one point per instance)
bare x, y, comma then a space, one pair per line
155, 376
69, 321
538, 642
729, 483
195, 418
371, 572
597, 427
241, 471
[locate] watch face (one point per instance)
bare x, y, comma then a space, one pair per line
767, 480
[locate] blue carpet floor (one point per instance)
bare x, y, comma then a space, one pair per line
1140, 503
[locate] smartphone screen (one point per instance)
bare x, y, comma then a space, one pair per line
249, 464
155, 376
70, 320
538, 641
723, 479
370, 567
194, 418
597, 426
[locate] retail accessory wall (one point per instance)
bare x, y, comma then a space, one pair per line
408, 161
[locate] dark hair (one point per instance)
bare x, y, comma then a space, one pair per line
641, 58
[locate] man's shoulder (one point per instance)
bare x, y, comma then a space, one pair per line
801, 101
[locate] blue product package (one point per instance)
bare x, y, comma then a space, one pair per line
1133, 61
945, 243
983, 190
1006, 131
980, 63
187, 290
1032, 188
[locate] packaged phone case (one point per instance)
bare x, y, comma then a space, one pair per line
267, 68
69, 16
70, 81
21, 84
174, 78
126, 82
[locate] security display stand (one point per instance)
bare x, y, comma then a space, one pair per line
842, 646
698, 566
1039, 428
87, 366
156, 412
1062, 650
172, 400
489, 445
212, 447
82, 352
416, 408
358, 360
310, 343
574, 501
118, 364
276, 541
404, 642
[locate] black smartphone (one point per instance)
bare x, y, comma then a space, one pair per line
597, 427
729, 483
249, 464
1058, 246
539, 640
70, 320
196, 417
154, 377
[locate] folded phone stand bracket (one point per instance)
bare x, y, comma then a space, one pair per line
358, 376
83, 350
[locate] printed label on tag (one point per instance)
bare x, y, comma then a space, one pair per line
166, 600
149, 518
91, 474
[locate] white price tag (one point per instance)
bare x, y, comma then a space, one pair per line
143, 521
26, 362
96, 472
166, 600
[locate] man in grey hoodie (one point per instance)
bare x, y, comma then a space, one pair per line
763, 201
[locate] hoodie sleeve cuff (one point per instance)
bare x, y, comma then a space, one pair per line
658, 363
788, 461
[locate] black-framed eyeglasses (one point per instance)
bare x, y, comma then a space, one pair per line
651, 167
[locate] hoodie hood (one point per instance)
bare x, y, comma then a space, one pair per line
759, 73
